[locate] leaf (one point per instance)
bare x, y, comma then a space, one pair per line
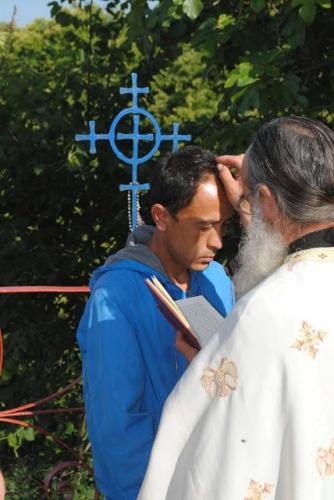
192, 8
12, 440
308, 11
6, 376
257, 5
246, 98
38, 170
208, 25
66, 19
225, 20
70, 428
232, 80
29, 434
245, 80
241, 76
294, 30
54, 8
292, 82
73, 157
325, 4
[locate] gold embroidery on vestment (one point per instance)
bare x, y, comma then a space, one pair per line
257, 491
314, 254
325, 461
309, 340
221, 382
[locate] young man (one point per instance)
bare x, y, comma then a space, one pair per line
253, 417
130, 363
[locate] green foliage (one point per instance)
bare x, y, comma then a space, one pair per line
192, 8
15, 439
220, 68
257, 5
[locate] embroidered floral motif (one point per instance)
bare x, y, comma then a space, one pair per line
322, 256
309, 340
221, 382
325, 461
257, 491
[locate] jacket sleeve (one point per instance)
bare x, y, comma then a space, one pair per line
120, 431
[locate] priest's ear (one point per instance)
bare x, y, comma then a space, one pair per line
270, 210
161, 216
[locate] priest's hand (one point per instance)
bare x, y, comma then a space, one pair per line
184, 348
232, 182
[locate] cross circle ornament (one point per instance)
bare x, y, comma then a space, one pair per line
135, 137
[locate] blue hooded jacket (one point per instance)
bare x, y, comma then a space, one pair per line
130, 364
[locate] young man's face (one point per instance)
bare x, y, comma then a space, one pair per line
196, 234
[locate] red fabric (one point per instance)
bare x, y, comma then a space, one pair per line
39, 289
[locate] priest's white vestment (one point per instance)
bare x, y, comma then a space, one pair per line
253, 416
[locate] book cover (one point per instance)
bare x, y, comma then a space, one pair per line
195, 317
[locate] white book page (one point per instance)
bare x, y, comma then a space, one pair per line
204, 319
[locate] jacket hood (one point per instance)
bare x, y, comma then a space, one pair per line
135, 255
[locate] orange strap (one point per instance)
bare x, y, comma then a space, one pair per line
39, 289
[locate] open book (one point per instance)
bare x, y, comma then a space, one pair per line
195, 317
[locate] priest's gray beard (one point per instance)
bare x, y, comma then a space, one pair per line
261, 252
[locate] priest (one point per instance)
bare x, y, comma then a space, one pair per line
253, 416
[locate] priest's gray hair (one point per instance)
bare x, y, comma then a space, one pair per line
294, 157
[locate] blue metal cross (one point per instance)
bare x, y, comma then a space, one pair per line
135, 137
92, 137
134, 187
134, 90
175, 137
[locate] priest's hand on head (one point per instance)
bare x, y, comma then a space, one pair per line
184, 348
232, 181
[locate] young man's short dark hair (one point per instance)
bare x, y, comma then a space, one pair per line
176, 177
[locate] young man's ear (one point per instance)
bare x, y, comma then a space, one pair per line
268, 204
160, 216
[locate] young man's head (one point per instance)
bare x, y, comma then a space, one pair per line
189, 207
